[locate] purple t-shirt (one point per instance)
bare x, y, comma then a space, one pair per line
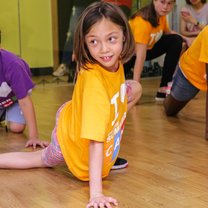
15, 78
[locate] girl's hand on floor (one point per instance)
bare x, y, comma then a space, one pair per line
36, 142
101, 201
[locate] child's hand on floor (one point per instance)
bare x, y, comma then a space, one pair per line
101, 201
36, 142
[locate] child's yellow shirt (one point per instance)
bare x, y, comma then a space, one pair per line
97, 112
193, 61
143, 31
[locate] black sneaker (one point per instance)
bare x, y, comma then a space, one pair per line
160, 96
163, 92
119, 164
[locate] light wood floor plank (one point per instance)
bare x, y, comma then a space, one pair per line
168, 158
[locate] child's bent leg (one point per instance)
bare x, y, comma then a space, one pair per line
182, 92
173, 106
16, 127
134, 92
15, 118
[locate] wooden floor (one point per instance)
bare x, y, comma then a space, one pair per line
168, 158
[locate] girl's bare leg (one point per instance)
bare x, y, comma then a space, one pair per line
21, 160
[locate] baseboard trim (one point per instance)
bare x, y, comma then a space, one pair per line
42, 71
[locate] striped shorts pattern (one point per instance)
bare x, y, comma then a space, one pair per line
52, 155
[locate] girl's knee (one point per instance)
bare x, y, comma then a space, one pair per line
16, 127
176, 42
138, 89
177, 39
134, 91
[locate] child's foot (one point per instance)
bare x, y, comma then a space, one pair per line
61, 71
163, 92
120, 163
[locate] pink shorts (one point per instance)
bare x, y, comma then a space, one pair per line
52, 155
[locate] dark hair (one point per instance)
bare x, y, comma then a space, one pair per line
148, 13
202, 1
91, 15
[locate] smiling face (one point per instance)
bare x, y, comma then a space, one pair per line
105, 43
163, 7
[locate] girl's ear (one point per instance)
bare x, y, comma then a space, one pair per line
124, 38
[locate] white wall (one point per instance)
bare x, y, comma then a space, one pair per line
174, 17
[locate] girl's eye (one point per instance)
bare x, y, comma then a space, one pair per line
93, 42
112, 39
167, 2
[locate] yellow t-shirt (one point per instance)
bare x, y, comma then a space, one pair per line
97, 112
143, 31
193, 61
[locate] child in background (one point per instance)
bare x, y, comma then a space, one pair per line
154, 38
15, 86
191, 75
89, 128
194, 17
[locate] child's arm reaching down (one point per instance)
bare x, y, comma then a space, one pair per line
29, 114
97, 199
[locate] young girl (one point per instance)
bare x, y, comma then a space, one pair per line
15, 87
191, 75
153, 38
194, 17
89, 128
